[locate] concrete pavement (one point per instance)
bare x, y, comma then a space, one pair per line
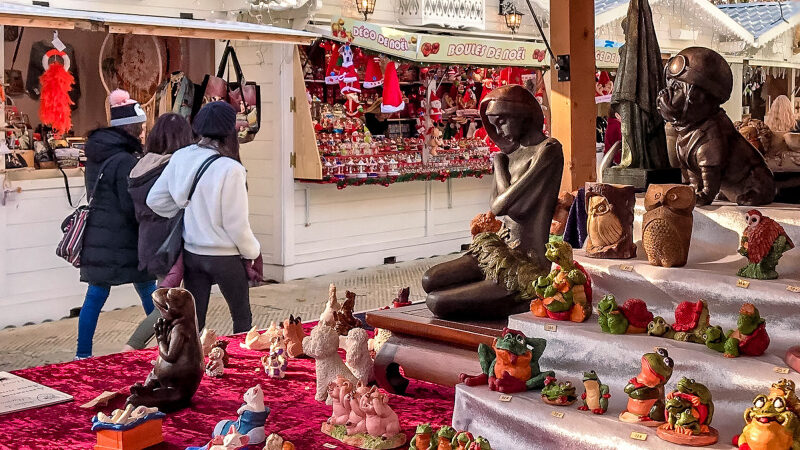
54, 342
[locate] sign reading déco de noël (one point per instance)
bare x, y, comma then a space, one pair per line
460, 50
381, 39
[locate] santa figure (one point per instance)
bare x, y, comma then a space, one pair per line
435, 111
352, 108
348, 78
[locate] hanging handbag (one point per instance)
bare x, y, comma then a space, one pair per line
15, 84
171, 248
74, 226
244, 96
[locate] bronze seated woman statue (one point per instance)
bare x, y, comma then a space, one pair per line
496, 277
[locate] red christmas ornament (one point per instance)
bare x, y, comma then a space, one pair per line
56, 83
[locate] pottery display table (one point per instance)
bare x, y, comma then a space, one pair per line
427, 348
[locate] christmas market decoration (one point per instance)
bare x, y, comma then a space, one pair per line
392, 100
373, 77
56, 83
726, 164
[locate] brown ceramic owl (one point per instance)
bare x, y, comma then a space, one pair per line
667, 224
609, 224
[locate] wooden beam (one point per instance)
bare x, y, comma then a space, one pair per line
37, 22
198, 33
572, 102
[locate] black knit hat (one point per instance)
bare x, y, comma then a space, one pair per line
215, 120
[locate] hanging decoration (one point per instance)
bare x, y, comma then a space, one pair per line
392, 100
348, 77
374, 77
56, 83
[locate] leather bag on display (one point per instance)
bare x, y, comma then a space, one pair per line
15, 84
244, 96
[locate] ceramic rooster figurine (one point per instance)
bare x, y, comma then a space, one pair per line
763, 242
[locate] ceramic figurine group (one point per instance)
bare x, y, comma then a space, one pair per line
362, 416
763, 243
565, 293
323, 346
218, 358
276, 362
632, 317
446, 438
247, 430
692, 325
131, 427
340, 316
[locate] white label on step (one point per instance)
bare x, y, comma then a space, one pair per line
742, 284
783, 370
626, 268
639, 436
557, 414
505, 398
550, 327
795, 289
327, 445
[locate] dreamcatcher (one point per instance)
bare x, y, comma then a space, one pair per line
133, 63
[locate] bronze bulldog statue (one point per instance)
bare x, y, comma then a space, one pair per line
714, 156
178, 369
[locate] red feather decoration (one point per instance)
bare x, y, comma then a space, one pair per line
54, 104
761, 237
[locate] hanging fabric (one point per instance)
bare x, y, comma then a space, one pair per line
36, 69
176, 95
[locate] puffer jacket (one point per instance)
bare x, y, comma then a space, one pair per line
153, 229
110, 254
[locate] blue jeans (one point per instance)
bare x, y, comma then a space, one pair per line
96, 297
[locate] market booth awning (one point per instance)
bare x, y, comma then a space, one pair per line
46, 17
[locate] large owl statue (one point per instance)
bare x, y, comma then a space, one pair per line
609, 224
763, 242
667, 224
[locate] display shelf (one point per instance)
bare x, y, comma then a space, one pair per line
526, 422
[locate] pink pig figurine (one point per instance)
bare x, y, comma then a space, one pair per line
356, 422
381, 420
337, 391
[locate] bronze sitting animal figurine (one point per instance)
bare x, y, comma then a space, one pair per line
178, 369
714, 156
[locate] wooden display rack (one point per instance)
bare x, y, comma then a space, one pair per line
143, 436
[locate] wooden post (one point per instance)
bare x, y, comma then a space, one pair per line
572, 102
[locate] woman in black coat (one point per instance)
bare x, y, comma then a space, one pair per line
171, 132
109, 256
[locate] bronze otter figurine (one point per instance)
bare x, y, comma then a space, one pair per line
178, 370
714, 156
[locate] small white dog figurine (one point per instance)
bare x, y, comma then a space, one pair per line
323, 346
328, 317
358, 359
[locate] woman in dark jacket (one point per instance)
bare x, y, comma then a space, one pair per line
171, 132
110, 245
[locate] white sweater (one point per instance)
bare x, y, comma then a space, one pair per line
216, 221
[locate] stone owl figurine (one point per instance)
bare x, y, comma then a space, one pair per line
609, 225
667, 224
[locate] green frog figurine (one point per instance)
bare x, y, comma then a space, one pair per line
511, 364
559, 394
596, 394
566, 292
646, 390
689, 411
423, 438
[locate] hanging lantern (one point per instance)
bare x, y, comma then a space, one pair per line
513, 18
365, 7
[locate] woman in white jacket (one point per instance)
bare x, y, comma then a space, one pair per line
216, 228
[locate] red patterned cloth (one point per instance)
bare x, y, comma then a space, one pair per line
294, 413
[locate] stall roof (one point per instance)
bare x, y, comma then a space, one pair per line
764, 20
46, 17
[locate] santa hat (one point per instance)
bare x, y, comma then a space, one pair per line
332, 69
374, 76
392, 101
603, 78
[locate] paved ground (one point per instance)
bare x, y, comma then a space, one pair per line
54, 342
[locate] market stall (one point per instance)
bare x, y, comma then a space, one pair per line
43, 177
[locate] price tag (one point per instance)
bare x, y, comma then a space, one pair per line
550, 327
742, 284
783, 370
626, 268
795, 289
639, 436
557, 414
300, 300
505, 398
327, 445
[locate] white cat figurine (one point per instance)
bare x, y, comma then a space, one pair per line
252, 417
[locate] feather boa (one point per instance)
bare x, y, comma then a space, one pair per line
54, 104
